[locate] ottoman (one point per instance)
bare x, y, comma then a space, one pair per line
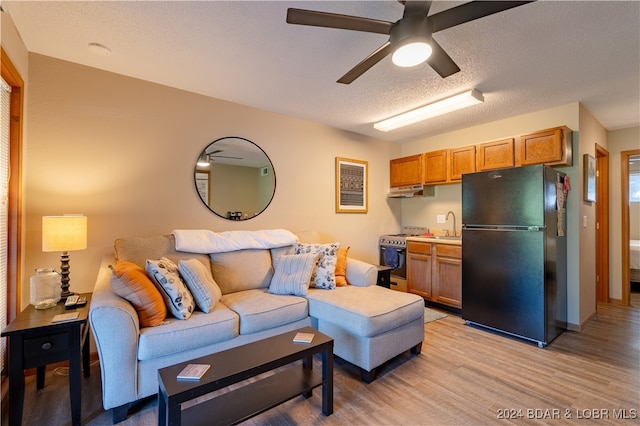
370, 325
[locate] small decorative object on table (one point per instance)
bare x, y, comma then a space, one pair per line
303, 337
193, 372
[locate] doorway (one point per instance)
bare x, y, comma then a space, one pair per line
602, 224
625, 157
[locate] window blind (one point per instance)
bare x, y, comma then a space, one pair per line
5, 94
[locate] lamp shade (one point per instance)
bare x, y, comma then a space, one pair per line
64, 233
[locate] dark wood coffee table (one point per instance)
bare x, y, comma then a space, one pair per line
241, 363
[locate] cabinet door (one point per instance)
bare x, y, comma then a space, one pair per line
447, 285
549, 146
406, 171
495, 155
461, 160
435, 166
419, 274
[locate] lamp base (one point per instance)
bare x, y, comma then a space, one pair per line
64, 295
64, 274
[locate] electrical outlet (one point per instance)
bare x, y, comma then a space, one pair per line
441, 219
584, 221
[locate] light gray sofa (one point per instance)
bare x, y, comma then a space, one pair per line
369, 324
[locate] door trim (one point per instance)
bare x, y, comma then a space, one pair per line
625, 238
602, 224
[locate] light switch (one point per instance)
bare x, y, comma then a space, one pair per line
440, 218
584, 221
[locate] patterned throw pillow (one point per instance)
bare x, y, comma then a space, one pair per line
293, 274
341, 267
324, 276
176, 295
201, 284
132, 283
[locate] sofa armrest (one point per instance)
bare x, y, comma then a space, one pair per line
361, 274
115, 327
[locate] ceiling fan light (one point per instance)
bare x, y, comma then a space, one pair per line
434, 109
411, 54
204, 161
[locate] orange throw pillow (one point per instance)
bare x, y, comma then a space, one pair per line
132, 283
341, 267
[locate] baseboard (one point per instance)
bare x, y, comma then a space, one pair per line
580, 327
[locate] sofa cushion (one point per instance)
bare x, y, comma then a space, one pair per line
260, 310
132, 283
341, 267
175, 292
199, 330
203, 288
242, 269
293, 274
365, 311
324, 275
139, 249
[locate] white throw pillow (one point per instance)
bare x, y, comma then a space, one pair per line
324, 276
293, 274
177, 297
201, 283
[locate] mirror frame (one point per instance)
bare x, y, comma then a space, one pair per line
201, 183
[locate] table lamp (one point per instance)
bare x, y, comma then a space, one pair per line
64, 233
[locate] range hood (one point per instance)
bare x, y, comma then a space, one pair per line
411, 191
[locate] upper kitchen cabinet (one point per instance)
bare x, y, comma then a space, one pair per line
435, 167
552, 147
406, 171
461, 161
495, 155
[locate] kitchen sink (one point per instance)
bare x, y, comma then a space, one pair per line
440, 237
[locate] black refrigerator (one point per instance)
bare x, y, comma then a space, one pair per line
514, 251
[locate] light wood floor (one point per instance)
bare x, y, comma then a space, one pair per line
464, 376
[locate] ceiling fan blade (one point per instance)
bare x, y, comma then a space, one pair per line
469, 12
441, 62
225, 156
416, 8
366, 63
335, 20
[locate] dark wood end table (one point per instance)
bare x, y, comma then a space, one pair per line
34, 341
241, 363
384, 276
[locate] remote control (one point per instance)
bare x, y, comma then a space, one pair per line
71, 301
81, 301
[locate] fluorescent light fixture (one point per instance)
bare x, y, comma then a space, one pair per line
453, 103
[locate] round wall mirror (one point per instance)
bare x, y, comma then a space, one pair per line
234, 178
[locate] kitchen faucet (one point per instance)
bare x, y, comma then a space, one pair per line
454, 221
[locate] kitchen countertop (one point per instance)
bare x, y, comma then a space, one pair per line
456, 241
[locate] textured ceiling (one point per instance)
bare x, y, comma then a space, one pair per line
537, 56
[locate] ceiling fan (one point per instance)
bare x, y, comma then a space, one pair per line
208, 157
413, 32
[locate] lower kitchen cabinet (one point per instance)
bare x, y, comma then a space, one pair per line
419, 267
447, 283
434, 271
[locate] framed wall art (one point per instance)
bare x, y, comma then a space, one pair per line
202, 185
589, 170
352, 186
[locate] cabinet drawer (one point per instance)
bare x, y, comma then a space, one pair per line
448, 250
418, 247
46, 345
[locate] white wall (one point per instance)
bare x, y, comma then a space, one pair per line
122, 150
591, 133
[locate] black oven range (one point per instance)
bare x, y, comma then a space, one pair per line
393, 249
